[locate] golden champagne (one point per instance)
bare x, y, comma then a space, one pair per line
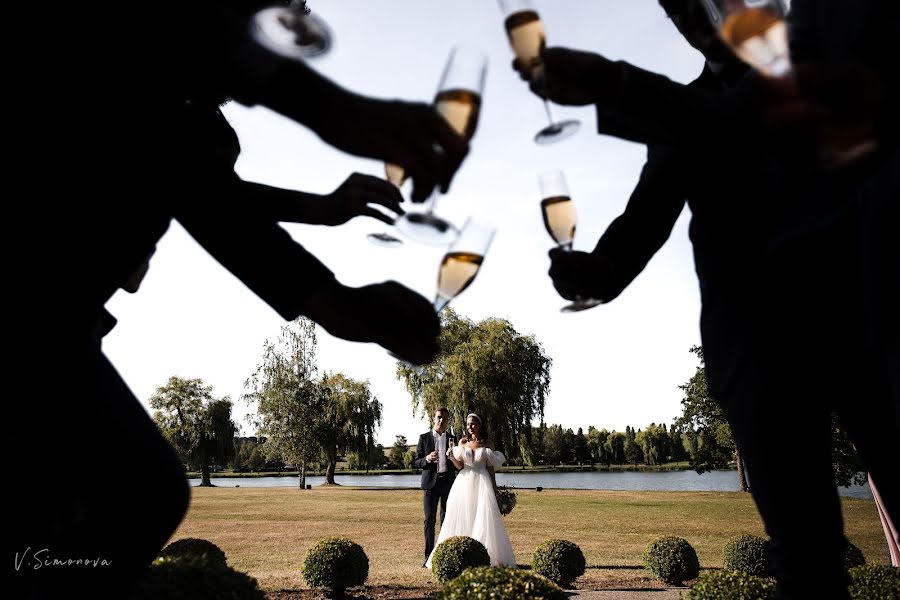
395, 174
457, 271
460, 108
759, 37
526, 36
559, 219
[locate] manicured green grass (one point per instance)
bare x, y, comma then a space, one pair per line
267, 531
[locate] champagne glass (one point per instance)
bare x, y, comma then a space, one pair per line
463, 259
560, 219
458, 100
755, 30
292, 31
459, 266
526, 36
396, 175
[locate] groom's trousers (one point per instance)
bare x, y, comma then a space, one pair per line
438, 493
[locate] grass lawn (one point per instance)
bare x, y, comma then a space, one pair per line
267, 531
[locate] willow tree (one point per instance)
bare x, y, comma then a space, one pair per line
197, 425
347, 421
488, 368
289, 397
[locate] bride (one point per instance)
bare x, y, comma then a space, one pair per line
472, 505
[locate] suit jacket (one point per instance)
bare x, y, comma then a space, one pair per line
429, 469
726, 232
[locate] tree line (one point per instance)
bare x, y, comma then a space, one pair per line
308, 419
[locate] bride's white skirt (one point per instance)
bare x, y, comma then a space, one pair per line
472, 510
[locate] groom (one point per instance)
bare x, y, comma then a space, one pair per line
437, 471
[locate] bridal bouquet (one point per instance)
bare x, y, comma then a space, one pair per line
506, 500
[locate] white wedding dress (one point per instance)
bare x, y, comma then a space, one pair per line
472, 506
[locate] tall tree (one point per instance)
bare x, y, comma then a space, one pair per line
597, 445
196, 424
398, 451
581, 451
554, 442
488, 368
615, 447
848, 466
350, 414
288, 397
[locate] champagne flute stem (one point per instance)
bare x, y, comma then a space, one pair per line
440, 303
432, 201
549, 112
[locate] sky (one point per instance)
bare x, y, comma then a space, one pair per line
614, 365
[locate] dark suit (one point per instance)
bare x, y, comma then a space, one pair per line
436, 485
159, 162
787, 326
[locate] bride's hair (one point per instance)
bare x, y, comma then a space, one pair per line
482, 433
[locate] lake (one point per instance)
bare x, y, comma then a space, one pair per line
667, 481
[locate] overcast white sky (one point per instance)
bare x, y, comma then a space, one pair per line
613, 366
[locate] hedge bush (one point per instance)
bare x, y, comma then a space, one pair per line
672, 559
194, 547
334, 564
731, 585
560, 561
196, 578
456, 554
853, 556
499, 583
746, 553
874, 582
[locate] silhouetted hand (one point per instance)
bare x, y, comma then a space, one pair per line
567, 76
580, 274
389, 314
353, 197
409, 134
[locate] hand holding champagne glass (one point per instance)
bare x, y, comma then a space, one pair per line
560, 219
755, 30
458, 100
526, 36
460, 265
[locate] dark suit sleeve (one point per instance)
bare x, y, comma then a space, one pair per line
421, 453
633, 237
651, 109
254, 248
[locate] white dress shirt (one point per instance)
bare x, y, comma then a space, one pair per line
440, 445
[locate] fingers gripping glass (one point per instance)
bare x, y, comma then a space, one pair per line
292, 31
755, 31
458, 100
461, 263
560, 219
526, 36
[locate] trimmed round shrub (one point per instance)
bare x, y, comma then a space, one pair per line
560, 561
672, 559
499, 583
731, 585
853, 556
874, 582
746, 553
197, 578
456, 554
194, 547
335, 564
